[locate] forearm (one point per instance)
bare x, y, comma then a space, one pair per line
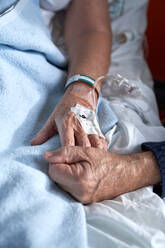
90, 54
88, 40
148, 172
135, 171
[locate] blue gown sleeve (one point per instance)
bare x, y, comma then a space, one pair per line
158, 149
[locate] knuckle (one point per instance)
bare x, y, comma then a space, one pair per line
66, 153
102, 143
68, 116
68, 138
89, 152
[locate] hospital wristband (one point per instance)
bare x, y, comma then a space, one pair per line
83, 78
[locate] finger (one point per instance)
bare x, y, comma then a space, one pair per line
44, 134
97, 142
82, 138
67, 136
104, 143
67, 154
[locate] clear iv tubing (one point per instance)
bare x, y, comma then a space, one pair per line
120, 87
93, 92
120, 81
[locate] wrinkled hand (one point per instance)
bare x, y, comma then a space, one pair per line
89, 174
92, 175
63, 121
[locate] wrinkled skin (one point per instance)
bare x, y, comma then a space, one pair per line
88, 174
92, 175
79, 172
63, 121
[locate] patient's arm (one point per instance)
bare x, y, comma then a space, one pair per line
88, 41
88, 37
92, 175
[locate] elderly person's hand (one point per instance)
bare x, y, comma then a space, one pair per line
88, 44
92, 175
65, 122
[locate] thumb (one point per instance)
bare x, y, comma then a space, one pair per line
44, 134
66, 155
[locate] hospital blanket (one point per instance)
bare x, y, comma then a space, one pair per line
34, 212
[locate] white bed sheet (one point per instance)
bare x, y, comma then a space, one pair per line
134, 219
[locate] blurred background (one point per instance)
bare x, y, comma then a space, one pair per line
156, 56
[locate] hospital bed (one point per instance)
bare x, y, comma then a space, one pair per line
34, 212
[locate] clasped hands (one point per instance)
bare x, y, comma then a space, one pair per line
83, 167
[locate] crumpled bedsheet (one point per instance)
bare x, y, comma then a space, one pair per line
135, 219
31, 205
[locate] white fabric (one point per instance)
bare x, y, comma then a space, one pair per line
54, 5
135, 219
